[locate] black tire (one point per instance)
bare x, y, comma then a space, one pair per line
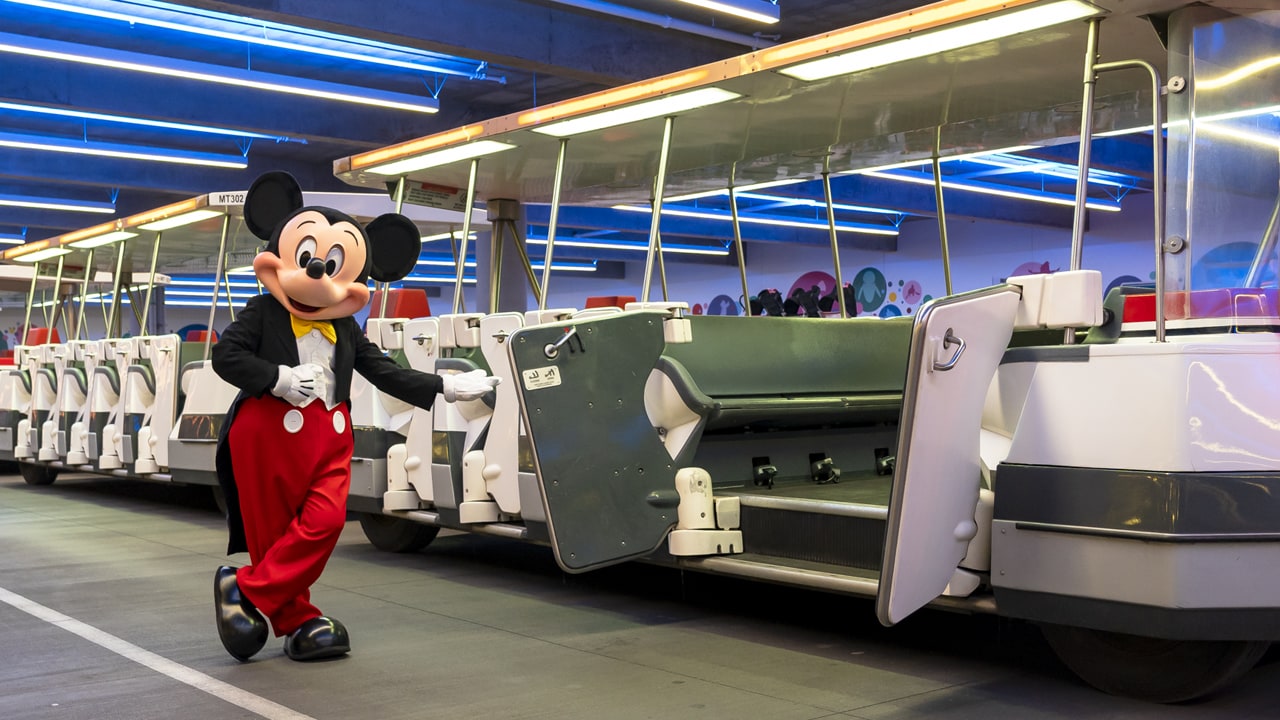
37, 474
1152, 669
395, 535
219, 499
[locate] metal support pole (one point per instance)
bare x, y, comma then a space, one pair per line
113, 329
942, 210
662, 267
1086, 141
84, 298
737, 244
217, 280
56, 303
226, 287
496, 232
655, 220
453, 248
151, 283
518, 243
835, 245
551, 226
466, 230
1158, 173
31, 301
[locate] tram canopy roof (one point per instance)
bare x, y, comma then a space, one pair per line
772, 121
190, 232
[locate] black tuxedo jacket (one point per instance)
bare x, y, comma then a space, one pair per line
249, 355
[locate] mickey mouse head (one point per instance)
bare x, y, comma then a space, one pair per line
318, 260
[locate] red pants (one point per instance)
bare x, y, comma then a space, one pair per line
293, 471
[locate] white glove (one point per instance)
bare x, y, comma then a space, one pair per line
468, 385
296, 386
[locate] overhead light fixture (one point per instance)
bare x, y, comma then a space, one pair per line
264, 33
187, 218
439, 279
480, 148
1051, 198
44, 203
13, 238
438, 262
810, 202
630, 246
100, 240
153, 65
737, 189
117, 150
758, 10
775, 221
445, 236
659, 107
932, 31
129, 120
562, 266
41, 255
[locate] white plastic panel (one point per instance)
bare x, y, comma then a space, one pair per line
422, 341
938, 477
502, 443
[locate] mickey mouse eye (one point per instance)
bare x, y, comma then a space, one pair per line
306, 250
333, 260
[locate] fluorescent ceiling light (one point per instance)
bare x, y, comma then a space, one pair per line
439, 279
138, 62
738, 189
117, 150
776, 221
128, 120
208, 282
480, 148
13, 238
1049, 168
444, 263
565, 266
265, 33
659, 107
179, 220
100, 240
1052, 199
40, 255
631, 246
445, 236
758, 10
809, 202
43, 203
947, 37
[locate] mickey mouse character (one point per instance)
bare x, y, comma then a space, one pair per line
284, 453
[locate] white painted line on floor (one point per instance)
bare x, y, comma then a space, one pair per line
223, 691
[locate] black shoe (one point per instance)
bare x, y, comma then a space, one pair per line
241, 627
318, 638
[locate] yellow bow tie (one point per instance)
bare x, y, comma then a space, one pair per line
324, 327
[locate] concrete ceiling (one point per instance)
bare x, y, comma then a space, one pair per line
524, 53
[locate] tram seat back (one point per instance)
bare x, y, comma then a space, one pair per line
401, 303
42, 336
777, 372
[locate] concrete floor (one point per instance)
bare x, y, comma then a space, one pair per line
106, 613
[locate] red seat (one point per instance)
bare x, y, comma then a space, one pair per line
40, 336
402, 303
609, 301
200, 335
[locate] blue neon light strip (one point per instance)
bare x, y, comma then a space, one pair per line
225, 26
127, 120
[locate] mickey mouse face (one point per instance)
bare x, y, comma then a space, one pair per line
318, 260
316, 271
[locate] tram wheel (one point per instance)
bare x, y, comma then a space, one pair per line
1153, 669
392, 534
219, 499
37, 474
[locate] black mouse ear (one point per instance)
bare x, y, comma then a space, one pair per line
394, 246
270, 199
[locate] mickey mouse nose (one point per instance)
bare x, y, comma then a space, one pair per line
315, 268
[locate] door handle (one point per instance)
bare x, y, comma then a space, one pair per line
947, 341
